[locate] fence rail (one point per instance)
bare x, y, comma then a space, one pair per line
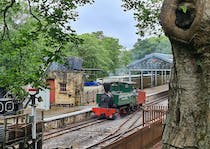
151, 133
153, 113
15, 131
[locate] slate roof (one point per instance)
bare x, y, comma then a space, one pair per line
70, 64
153, 61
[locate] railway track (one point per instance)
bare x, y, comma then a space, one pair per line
156, 101
117, 134
122, 125
76, 127
119, 131
128, 125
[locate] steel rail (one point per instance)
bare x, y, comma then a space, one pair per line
109, 136
76, 127
116, 135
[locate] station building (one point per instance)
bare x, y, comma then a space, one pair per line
153, 70
66, 82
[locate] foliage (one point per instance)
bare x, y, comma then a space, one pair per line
23, 60
125, 57
33, 34
146, 12
154, 44
98, 51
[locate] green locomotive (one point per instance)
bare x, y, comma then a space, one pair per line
120, 97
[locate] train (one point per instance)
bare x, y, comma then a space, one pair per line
118, 98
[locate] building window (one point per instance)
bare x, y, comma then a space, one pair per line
62, 87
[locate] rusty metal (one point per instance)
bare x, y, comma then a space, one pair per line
148, 135
143, 138
152, 113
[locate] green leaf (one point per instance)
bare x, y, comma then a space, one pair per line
183, 8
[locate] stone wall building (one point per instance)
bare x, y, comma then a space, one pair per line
66, 82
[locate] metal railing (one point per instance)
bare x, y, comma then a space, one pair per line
151, 133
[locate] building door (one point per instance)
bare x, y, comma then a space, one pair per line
52, 90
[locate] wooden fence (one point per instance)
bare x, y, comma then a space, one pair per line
15, 132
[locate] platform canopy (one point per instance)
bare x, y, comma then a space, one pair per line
153, 61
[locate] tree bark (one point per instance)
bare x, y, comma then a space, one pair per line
188, 120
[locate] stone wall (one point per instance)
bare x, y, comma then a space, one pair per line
74, 87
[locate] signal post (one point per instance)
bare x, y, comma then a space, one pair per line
33, 92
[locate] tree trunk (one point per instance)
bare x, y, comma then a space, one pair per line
188, 120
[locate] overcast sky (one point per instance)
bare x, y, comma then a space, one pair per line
107, 16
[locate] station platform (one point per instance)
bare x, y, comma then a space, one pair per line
156, 90
71, 114
56, 112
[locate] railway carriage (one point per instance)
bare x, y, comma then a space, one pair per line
119, 97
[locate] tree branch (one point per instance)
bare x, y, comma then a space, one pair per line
5, 28
35, 17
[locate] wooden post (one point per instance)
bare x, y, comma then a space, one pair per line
162, 74
4, 133
151, 78
26, 126
155, 77
129, 75
39, 145
165, 76
142, 80
143, 118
